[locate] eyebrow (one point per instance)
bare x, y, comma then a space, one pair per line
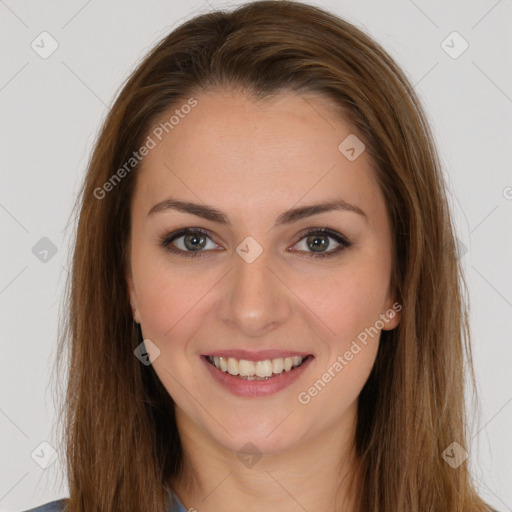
287, 217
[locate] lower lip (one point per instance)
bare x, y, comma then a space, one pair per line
253, 388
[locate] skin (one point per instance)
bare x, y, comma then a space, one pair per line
253, 160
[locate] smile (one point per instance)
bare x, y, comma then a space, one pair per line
256, 374
256, 370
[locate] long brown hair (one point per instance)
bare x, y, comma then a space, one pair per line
121, 442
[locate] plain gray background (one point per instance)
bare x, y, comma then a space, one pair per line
51, 111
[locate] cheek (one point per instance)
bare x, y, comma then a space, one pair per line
350, 307
170, 297
350, 300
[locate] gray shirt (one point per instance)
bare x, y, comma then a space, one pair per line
60, 505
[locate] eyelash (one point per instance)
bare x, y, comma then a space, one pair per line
166, 241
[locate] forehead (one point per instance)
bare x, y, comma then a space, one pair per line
230, 147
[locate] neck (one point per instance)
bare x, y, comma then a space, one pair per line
318, 474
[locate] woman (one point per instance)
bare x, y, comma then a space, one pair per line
265, 311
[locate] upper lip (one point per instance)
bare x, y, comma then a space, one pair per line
260, 355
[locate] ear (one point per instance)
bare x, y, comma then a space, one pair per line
392, 314
132, 295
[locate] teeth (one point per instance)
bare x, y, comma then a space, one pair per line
255, 370
263, 368
247, 368
232, 366
277, 365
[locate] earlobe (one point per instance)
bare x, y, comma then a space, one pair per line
392, 316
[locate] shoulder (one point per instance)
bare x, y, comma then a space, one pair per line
52, 506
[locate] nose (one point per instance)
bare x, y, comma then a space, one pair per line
255, 300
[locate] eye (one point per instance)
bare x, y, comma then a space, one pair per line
318, 239
190, 242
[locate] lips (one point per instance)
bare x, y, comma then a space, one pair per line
256, 386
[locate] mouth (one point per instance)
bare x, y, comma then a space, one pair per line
265, 369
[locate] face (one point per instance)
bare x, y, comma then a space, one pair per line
254, 283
